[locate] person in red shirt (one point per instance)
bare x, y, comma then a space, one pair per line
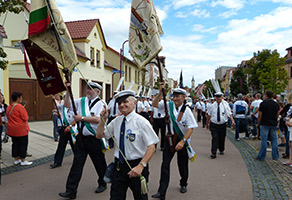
18, 129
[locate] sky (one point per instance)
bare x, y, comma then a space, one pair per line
199, 35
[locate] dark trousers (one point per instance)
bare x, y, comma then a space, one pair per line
240, 122
199, 115
218, 137
287, 147
55, 129
19, 146
63, 141
86, 145
204, 119
121, 181
183, 167
146, 115
159, 123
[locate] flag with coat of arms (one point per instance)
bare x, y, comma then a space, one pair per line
144, 33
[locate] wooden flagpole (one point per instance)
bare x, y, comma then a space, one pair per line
167, 120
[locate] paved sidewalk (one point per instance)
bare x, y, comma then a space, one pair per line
41, 145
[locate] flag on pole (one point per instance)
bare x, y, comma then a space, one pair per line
41, 32
145, 31
26, 65
45, 69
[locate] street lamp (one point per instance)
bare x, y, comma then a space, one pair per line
121, 60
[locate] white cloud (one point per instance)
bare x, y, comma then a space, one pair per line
228, 14
231, 4
201, 28
289, 2
181, 14
200, 13
182, 3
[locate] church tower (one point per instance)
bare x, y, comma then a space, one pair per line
193, 83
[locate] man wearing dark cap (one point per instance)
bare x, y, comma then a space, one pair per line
136, 140
182, 125
217, 115
88, 117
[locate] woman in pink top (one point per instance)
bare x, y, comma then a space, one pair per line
18, 129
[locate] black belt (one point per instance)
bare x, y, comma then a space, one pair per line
219, 124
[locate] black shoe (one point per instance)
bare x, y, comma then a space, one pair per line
183, 189
55, 165
158, 196
67, 195
221, 153
285, 155
100, 189
212, 156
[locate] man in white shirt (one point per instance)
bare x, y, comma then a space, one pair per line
198, 108
88, 114
240, 110
218, 114
136, 140
254, 108
182, 125
159, 121
139, 106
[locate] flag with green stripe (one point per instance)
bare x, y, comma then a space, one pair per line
39, 19
43, 15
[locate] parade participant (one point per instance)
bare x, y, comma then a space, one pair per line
55, 117
139, 106
267, 121
67, 133
88, 109
150, 111
113, 113
18, 129
198, 108
240, 110
136, 140
204, 109
146, 110
182, 125
159, 122
254, 107
217, 115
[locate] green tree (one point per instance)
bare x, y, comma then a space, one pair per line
266, 68
15, 6
238, 83
208, 88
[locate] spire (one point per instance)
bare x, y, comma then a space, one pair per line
181, 80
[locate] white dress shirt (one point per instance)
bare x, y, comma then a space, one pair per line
160, 111
225, 112
139, 134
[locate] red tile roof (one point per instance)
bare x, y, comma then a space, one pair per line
81, 29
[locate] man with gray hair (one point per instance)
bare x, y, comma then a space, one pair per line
240, 110
88, 109
182, 125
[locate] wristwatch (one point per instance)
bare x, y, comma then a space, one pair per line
184, 139
82, 118
143, 164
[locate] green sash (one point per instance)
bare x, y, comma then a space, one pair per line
104, 145
191, 153
73, 132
